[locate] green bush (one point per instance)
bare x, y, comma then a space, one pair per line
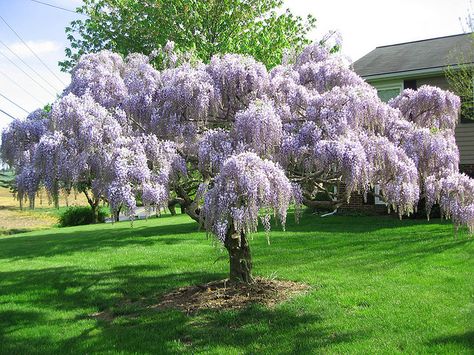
78, 216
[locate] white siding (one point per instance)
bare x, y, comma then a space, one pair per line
465, 142
439, 81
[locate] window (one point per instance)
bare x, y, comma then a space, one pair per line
410, 84
369, 198
389, 91
386, 94
377, 199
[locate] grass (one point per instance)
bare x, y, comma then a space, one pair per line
378, 285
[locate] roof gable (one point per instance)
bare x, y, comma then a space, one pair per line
424, 54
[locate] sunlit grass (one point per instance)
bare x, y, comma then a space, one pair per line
378, 285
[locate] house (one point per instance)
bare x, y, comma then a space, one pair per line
393, 68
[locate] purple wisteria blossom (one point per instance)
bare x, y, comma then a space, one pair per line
99, 75
231, 141
246, 185
455, 195
428, 107
259, 127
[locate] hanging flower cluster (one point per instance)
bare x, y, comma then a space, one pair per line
246, 185
230, 138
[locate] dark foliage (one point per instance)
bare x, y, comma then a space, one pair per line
78, 216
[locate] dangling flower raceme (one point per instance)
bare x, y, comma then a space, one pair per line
246, 185
124, 129
455, 194
259, 127
429, 107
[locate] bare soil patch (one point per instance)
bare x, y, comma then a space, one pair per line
215, 295
221, 295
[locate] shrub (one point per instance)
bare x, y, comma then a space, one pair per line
78, 216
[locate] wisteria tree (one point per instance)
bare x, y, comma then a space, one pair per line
235, 144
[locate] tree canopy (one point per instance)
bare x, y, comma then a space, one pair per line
461, 75
235, 143
255, 27
461, 80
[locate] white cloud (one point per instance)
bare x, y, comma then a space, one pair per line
39, 47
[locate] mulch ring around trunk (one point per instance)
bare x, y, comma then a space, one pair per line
215, 295
224, 295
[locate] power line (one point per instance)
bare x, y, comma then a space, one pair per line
21, 88
31, 50
33, 70
6, 113
28, 75
55, 6
13, 102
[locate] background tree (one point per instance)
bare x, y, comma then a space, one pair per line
461, 75
255, 27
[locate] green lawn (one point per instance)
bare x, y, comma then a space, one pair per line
378, 285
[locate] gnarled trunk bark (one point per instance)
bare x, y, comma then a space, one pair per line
191, 205
117, 214
172, 209
240, 259
94, 203
95, 213
330, 205
172, 205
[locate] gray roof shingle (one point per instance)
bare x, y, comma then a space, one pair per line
424, 54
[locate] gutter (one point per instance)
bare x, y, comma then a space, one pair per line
416, 73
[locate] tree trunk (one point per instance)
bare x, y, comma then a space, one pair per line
117, 214
330, 205
189, 205
55, 194
172, 207
95, 213
94, 203
56, 202
240, 258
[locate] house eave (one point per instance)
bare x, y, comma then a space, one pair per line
409, 74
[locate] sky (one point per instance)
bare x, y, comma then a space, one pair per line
363, 24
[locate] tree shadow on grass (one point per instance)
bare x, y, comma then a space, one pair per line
65, 296
70, 288
376, 250
12, 321
254, 329
466, 340
66, 241
9, 208
70, 296
355, 224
